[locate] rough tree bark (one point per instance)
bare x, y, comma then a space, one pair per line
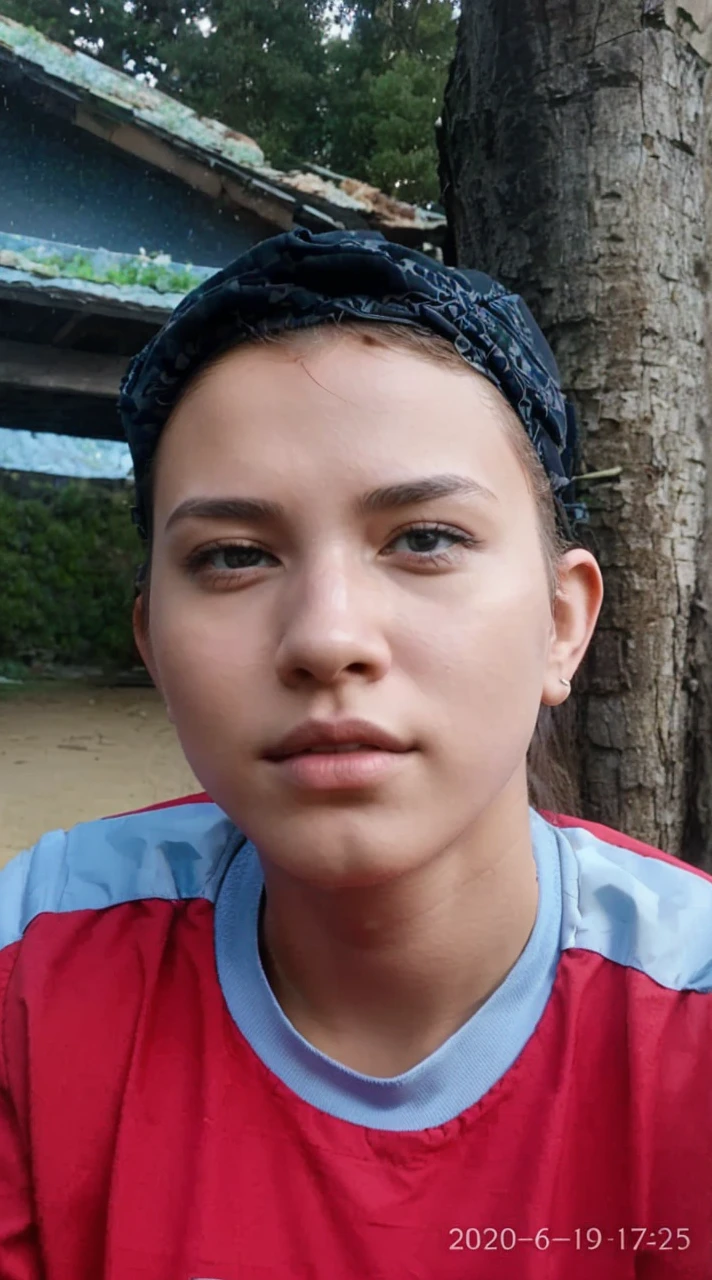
574, 160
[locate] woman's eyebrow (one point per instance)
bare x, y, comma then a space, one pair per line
428, 487
385, 498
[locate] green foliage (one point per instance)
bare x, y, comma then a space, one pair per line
67, 557
160, 278
386, 89
405, 102
11, 670
151, 275
365, 105
262, 70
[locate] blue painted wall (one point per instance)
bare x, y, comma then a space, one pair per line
58, 182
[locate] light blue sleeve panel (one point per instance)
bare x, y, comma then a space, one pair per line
13, 894
171, 853
639, 911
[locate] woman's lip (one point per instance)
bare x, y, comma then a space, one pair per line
340, 770
329, 733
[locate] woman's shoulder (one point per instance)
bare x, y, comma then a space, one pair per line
583, 828
634, 904
176, 850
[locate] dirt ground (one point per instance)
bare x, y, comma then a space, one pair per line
69, 753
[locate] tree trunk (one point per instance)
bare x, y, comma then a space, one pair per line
574, 159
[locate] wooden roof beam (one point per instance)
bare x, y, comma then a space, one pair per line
28, 364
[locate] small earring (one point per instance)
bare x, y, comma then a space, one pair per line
565, 681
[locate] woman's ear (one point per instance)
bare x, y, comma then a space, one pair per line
576, 608
142, 636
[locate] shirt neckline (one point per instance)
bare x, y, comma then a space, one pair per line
449, 1080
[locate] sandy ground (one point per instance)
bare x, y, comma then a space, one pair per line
69, 753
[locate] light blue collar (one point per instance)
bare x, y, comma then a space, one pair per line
446, 1083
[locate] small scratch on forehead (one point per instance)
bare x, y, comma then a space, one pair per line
317, 383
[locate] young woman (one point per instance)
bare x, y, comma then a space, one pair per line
361, 1011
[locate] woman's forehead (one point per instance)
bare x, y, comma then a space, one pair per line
370, 367
340, 381
337, 421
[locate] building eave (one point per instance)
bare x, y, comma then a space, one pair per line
209, 156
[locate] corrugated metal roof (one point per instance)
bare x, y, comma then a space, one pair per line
218, 146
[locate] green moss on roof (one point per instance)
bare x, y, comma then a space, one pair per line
51, 260
150, 275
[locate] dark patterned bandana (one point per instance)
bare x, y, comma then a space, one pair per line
300, 279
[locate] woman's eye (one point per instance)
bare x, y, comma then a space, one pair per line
426, 544
221, 560
424, 540
235, 557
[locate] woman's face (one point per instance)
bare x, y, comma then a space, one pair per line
326, 607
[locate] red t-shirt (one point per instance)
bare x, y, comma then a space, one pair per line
160, 1119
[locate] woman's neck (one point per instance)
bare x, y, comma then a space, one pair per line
379, 977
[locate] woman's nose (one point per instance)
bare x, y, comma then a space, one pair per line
333, 624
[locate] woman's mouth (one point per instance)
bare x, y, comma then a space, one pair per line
342, 767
